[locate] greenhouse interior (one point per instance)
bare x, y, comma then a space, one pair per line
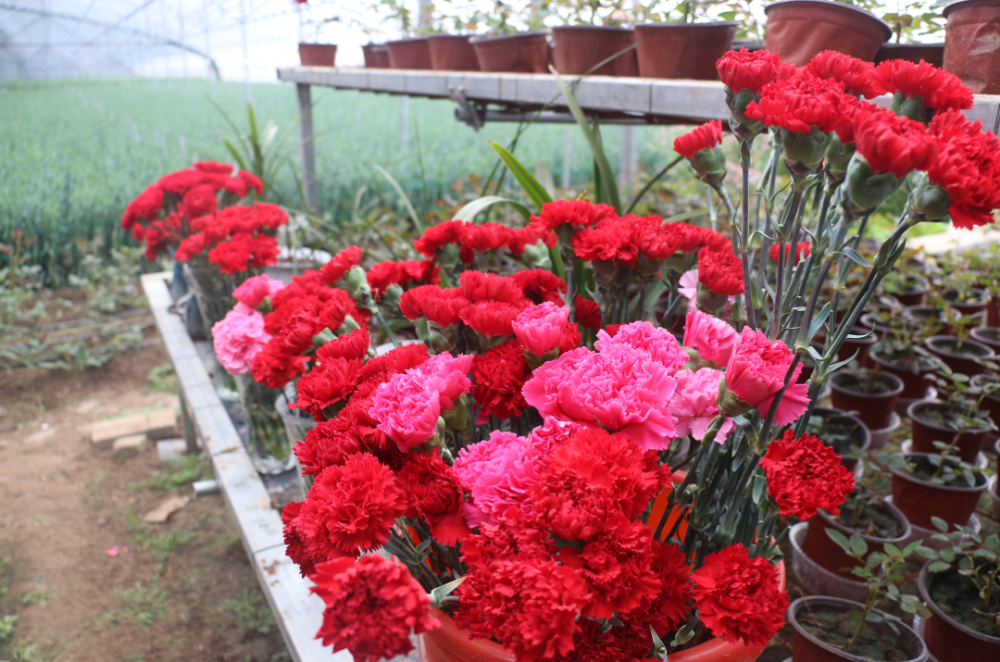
499, 331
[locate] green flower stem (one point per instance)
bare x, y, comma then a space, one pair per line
386, 328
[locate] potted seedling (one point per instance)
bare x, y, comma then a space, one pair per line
914, 20
314, 53
831, 629
594, 36
799, 29
926, 485
991, 401
934, 319
870, 393
965, 53
681, 41
504, 49
901, 353
909, 289
841, 431
955, 419
960, 585
962, 355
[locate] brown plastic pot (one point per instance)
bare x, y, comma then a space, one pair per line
412, 53
973, 26
987, 335
376, 56
523, 52
921, 314
990, 403
579, 48
967, 307
932, 53
872, 321
862, 435
682, 50
921, 500
452, 52
959, 355
925, 433
317, 55
993, 312
799, 29
821, 549
914, 378
807, 648
914, 296
947, 639
874, 409
861, 345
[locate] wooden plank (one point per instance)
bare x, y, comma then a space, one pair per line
475, 85
155, 425
249, 503
695, 99
624, 94
216, 428
985, 109
425, 83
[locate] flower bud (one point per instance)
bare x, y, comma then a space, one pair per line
391, 297
709, 300
728, 403
355, 282
536, 256
928, 202
866, 190
710, 164
742, 126
838, 156
534, 360
913, 108
804, 151
457, 417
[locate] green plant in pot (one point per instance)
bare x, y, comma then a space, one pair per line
870, 393
955, 419
932, 485
683, 39
908, 287
901, 353
833, 629
841, 431
960, 584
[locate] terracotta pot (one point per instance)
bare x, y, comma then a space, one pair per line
973, 26
914, 378
925, 433
807, 648
452, 52
968, 307
749, 44
960, 356
682, 50
920, 500
524, 52
987, 335
376, 56
929, 53
874, 409
947, 639
412, 53
317, 55
579, 48
993, 312
860, 345
799, 29
862, 435
822, 550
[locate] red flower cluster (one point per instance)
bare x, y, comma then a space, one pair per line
720, 271
706, 136
799, 103
938, 89
855, 74
746, 70
573, 213
892, 143
967, 167
801, 252
471, 238
236, 238
372, 604
804, 474
384, 274
161, 215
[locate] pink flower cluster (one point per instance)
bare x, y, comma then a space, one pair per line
238, 338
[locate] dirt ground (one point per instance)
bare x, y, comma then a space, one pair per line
184, 591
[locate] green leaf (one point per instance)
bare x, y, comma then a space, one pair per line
939, 524
938, 566
839, 538
234, 153
535, 191
855, 257
892, 549
471, 210
417, 223
858, 545
439, 594
987, 554
926, 552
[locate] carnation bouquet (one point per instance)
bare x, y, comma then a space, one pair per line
587, 427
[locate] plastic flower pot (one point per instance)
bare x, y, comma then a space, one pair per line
917, 286
213, 290
921, 314
993, 312
931, 423
579, 48
823, 551
268, 445
946, 638
808, 648
920, 499
860, 344
994, 490
987, 335
376, 56
317, 55
452, 52
990, 403
799, 29
974, 301
523, 52
682, 50
839, 422
412, 53
875, 406
932, 53
874, 321
815, 578
972, 26
959, 355
909, 370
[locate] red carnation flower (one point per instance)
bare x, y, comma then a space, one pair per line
384, 274
529, 236
491, 318
967, 167
326, 384
295, 548
275, 369
804, 474
372, 604
587, 312
799, 103
180, 182
691, 238
478, 286
214, 167
251, 181
335, 310
855, 74
482, 238
574, 213
939, 89
738, 597
340, 264
497, 377
328, 444
611, 241
706, 136
746, 70
353, 345
199, 201
571, 339
540, 285
801, 252
434, 493
350, 508
720, 271
437, 305
672, 605
144, 208
439, 236
892, 143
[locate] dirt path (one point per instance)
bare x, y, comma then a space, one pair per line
183, 591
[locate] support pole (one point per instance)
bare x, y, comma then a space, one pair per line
404, 121
246, 54
309, 187
568, 159
629, 166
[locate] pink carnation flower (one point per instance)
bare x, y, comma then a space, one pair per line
659, 343
693, 404
711, 337
448, 375
689, 288
755, 374
254, 290
540, 328
498, 473
620, 389
238, 337
407, 408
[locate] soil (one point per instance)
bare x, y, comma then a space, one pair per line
942, 418
873, 385
836, 629
184, 591
957, 596
958, 348
873, 521
925, 471
903, 359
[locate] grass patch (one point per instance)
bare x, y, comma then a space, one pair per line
178, 473
27, 650
251, 612
146, 536
161, 379
38, 596
143, 605
8, 625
